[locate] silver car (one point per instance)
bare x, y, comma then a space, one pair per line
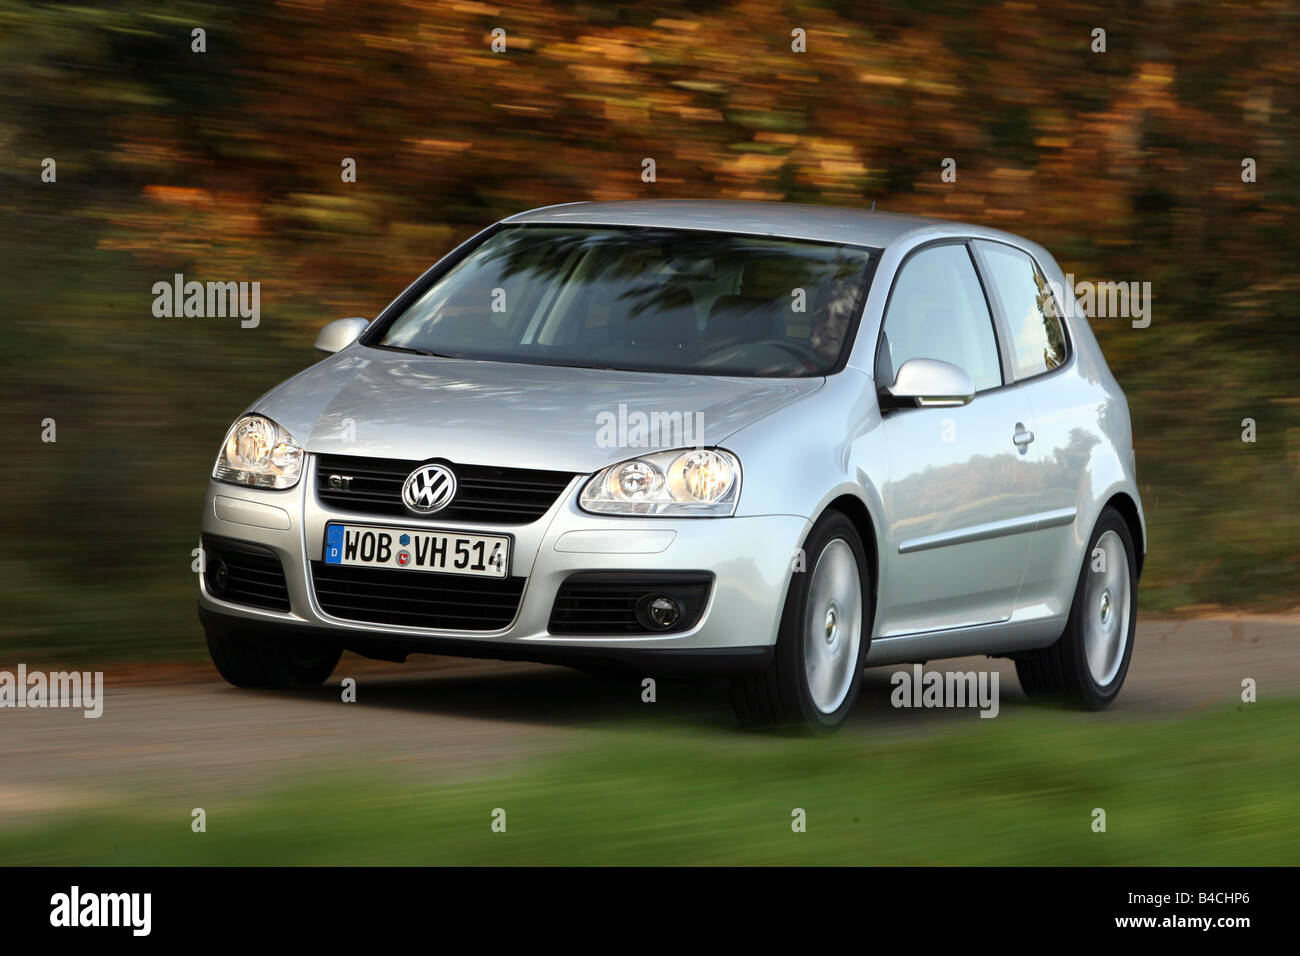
768, 442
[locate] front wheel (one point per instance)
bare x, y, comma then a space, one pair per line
253, 660
1086, 667
816, 672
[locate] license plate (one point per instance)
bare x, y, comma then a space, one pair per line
445, 552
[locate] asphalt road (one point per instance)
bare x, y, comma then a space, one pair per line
183, 731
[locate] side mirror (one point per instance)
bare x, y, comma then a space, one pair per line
924, 383
339, 334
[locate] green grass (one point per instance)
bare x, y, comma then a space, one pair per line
1215, 788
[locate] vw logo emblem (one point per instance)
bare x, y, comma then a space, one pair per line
428, 489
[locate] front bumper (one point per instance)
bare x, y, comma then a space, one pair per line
750, 559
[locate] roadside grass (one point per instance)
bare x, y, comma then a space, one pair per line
1217, 787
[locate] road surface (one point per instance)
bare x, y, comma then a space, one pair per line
181, 730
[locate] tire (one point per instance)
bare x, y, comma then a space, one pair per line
250, 660
825, 630
1087, 665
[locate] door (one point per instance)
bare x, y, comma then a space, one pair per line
1066, 412
959, 498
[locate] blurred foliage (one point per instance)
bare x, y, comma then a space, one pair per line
225, 165
1212, 789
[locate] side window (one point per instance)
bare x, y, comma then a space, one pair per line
937, 310
1037, 336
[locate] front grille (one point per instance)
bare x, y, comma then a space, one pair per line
416, 598
483, 493
605, 602
244, 573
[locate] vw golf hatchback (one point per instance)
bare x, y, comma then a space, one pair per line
773, 443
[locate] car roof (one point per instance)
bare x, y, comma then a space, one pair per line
785, 220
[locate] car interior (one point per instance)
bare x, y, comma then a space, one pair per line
751, 309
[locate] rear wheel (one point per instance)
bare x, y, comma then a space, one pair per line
816, 671
250, 660
1086, 667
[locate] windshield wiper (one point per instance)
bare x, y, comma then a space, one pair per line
576, 364
414, 351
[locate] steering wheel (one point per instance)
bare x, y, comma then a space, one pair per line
808, 357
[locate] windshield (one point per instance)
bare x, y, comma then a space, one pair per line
642, 300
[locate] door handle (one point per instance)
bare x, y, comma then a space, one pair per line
1023, 435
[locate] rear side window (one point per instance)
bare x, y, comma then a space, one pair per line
1037, 335
937, 311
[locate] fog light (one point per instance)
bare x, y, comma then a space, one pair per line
659, 611
218, 577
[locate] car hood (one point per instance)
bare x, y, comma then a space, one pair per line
372, 402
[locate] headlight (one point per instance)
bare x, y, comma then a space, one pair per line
696, 483
260, 453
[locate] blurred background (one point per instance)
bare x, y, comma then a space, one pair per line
225, 165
